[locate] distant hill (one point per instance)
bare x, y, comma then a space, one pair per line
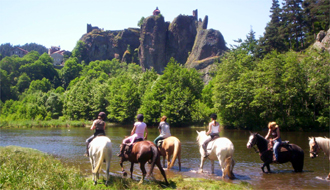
5, 48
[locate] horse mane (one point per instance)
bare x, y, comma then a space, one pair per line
201, 135
324, 144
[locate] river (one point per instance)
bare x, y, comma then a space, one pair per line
68, 145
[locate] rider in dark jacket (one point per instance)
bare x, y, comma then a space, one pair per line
99, 126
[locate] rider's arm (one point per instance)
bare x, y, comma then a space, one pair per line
146, 130
133, 130
209, 131
269, 130
93, 126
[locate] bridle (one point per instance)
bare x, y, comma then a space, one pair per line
254, 142
315, 149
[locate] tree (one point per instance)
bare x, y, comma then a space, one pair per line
173, 94
293, 24
79, 51
23, 82
40, 85
54, 105
140, 22
5, 86
70, 71
273, 38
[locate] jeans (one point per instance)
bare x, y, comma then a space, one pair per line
157, 139
277, 143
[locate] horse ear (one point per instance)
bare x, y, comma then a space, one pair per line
309, 138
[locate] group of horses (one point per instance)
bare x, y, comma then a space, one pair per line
220, 149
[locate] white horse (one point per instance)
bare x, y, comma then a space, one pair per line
100, 150
221, 149
319, 143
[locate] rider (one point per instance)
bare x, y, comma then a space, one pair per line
274, 130
214, 129
164, 130
99, 126
137, 133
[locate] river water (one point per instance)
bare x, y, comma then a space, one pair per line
68, 145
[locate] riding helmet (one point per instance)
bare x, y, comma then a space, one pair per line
139, 117
102, 114
214, 116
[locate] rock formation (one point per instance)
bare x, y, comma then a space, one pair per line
323, 40
186, 39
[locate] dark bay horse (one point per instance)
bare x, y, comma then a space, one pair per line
289, 153
143, 152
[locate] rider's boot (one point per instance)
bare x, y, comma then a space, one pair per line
121, 152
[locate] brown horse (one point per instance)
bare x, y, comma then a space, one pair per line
290, 153
142, 152
171, 146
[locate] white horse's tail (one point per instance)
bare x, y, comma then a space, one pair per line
99, 162
229, 167
176, 151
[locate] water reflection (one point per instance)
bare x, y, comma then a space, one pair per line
68, 144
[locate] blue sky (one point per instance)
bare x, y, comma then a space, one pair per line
63, 22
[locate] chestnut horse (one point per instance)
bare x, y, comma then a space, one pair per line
171, 146
143, 152
100, 149
289, 153
319, 143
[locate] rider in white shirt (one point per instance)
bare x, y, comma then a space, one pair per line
214, 129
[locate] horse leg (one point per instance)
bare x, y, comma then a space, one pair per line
328, 178
212, 166
108, 169
143, 169
268, 168
164, 161
202, 164
168, 156
179, 160
131, 170
161, 170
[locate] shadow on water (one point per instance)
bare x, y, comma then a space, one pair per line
68, 145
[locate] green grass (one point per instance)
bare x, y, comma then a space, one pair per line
25, 168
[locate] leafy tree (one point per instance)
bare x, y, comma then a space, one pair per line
70, 71
40, 85
5, 86
173, 94
23, 82
79, 51
123, 99
54, 105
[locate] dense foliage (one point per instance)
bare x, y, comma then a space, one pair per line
257, 81
6, 48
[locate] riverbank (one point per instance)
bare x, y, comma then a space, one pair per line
49, 123
26, 168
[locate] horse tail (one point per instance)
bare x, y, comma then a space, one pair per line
229, 166
99, 161
154, 158
176, 151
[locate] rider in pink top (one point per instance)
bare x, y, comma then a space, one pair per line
137, 133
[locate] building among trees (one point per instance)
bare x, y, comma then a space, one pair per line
57, 54
18, 51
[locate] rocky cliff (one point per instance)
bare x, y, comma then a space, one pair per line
186, 39
323, 41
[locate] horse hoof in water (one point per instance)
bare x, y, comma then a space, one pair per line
124, 174
95, 182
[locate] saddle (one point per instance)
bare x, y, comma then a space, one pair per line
211, 142
283, 144
128, 148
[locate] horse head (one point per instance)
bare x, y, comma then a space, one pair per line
252, 140
314, 147
201, 137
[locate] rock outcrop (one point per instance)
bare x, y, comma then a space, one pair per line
103, 45
186, 39
152, 43
323, 41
